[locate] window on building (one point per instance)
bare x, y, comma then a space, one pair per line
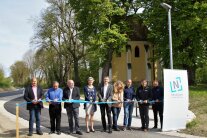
128, 48
146, 47
129, 65
149, 66
137, 54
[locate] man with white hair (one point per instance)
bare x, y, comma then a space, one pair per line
72, 92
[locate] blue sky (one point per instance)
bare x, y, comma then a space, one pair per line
16, 28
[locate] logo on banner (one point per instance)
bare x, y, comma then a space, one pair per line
176, 88
176, 85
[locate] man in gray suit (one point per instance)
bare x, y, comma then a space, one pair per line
105, 95
72, 93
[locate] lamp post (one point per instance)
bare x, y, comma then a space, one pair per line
168, 8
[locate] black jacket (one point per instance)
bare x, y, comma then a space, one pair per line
75, 96
143, 94
29, 96
157, 93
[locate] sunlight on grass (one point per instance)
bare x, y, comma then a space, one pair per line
198, 104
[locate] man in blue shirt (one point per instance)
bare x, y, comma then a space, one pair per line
129, 95
54, 97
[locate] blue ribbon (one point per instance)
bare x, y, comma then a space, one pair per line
82, 101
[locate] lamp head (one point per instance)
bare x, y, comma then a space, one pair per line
166, 6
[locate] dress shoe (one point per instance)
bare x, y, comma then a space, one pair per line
29, 134
92, 130
155, 127
87, 130
79, 133
116, 129
103, 130
39, 133
145, 130
129, 128
110, 131
51, 132
69, 132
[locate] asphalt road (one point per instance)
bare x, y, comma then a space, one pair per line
136, 133
5, 94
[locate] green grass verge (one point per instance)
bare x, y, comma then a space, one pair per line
198, 104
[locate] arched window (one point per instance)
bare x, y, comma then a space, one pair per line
128, 47
137, 51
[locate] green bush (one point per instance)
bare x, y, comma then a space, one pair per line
5, 83
201, 75
191, 124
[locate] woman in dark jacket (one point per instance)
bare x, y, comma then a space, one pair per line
90, 95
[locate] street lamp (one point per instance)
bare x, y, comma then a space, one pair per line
168, 8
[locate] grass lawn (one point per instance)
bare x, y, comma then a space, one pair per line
198, 104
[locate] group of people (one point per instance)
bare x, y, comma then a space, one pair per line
111, 98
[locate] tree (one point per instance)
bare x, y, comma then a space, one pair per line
29, 59
19, 73
58, 31
102, 28
1, 73
189, 30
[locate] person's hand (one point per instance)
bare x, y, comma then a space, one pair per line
55, 100
34, 101
157, 101
145, 101
103, 100
91, 99
128, 100
39, 100
119, 101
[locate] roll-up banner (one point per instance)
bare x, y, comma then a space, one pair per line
176, 98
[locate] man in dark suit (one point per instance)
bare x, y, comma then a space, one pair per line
72, 93
157, 96
105, 94
33, 95
144, 95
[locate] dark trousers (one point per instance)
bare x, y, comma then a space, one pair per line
144, 114
73, 113
55, 116
158, 108
115, 112
105, 109
34, 113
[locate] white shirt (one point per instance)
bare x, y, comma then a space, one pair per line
71, 91
34, 88
105, 91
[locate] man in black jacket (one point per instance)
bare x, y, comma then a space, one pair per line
104, 95
143, 96
157, 96
33, 95
72, 93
